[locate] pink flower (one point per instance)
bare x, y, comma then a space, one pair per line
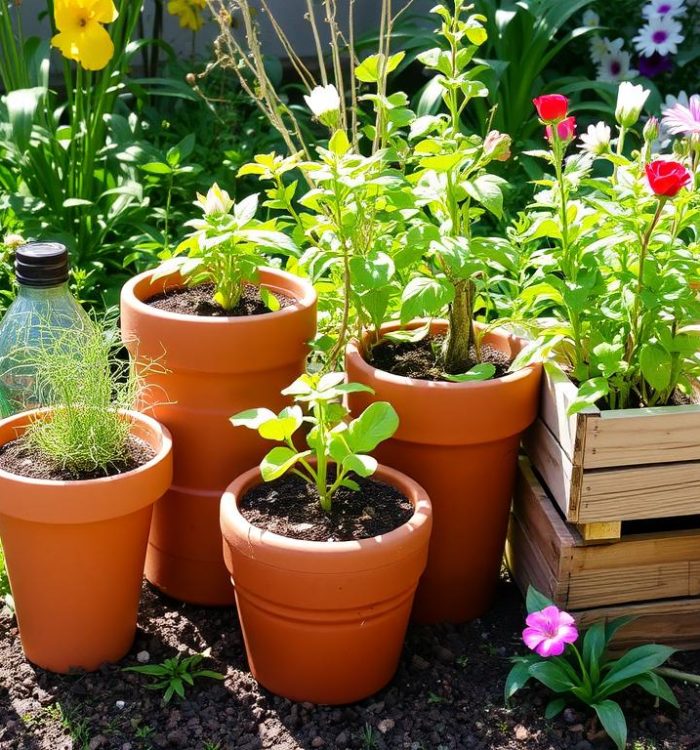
548, 631
566, 130
680, 119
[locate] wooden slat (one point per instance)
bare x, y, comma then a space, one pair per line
656, 491
629, 437
674, 622
605, 531
554, 466
557, 394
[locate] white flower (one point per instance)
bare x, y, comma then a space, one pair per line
663, 8
323, 100
596, 140
661, 34
591, 19
630, 100
216, 201
13, 240
601, 47
671, 100
615, 67
664, 138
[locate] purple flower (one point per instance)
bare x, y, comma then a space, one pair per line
549, 630
681, 119
655, 65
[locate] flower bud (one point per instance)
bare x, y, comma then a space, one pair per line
651, 130
497, 146
630, 101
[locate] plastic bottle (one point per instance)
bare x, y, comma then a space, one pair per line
43, 309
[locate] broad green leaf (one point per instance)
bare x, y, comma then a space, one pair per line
656, 364
635, 662
245, 210
269, 300
410, 335
339, 143
425, 296
554, 708
361, 464
252, 418
282, 426
371, 68
378, 422
535, 601
657, 686
588, 393
278, 461
594, 644
482, 371
551, 675
487, 190
518, 677
156, 167
613, 721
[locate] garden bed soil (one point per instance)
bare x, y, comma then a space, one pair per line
197, 300
416, 359
18, 457
290, 506
447, 694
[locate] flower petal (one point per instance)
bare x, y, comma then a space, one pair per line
568, 634
550, 647
95, 47
105, 11
532, 638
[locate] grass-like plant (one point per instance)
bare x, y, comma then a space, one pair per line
85, 382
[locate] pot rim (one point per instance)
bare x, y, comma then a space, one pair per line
352, 352
422, 515
135, 417
308, 299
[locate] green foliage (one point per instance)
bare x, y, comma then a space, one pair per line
590, 675
225, 246
4, 580
174, 676
86, 383
332, 440
610, 272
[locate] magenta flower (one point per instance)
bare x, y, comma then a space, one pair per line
549, 630
681, 119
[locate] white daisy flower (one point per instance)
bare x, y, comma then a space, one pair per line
672, 100
602, 46
663, 8
596, 140
615, 67
661, 34
630, 101
591, 19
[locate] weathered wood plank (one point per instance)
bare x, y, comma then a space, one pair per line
605, 531
629, 437
656, 491
554, 466
557, 394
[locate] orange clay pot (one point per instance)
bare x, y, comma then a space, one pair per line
206, 370
324, 621
460, 441
75, 553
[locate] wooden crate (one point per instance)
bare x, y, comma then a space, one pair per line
606, 467
654, 576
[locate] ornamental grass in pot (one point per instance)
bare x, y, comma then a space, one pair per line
227, 333
324, 546
391, 230
78, 481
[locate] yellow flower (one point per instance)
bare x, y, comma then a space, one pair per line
189, 12
81, 35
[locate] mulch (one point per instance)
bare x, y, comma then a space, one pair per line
446, 695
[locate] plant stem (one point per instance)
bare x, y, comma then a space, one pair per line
677, 674
460, 332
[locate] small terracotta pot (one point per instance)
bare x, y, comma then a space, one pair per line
324, 621
207, 370
75, 553
460, 441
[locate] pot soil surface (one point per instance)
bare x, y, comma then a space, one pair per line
416, 359
18, 457
197, 300
290, 506
447, 693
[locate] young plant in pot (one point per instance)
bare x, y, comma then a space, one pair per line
229, 332
611, 264
78, 481
324, 546
462, 403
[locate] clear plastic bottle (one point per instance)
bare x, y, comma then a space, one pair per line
43, 309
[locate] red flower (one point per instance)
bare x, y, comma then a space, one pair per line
666, 177
551, 108
566, 130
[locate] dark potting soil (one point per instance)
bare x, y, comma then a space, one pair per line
18, 457
290, 506
197, 300
417, 359
447, 693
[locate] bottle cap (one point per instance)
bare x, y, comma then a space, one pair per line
41, 264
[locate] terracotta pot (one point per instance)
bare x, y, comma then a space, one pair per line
324, 621
207, 370
460, 441
75, 553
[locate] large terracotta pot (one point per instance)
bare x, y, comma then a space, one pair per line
75, 553
324, 621
460, 441
206, 370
